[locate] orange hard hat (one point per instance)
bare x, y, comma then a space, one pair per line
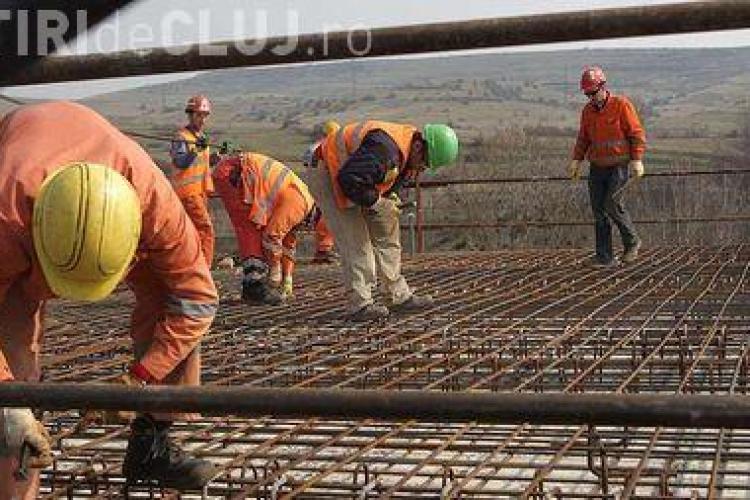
198, 103
592, 79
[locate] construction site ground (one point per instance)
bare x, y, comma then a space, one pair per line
530, 321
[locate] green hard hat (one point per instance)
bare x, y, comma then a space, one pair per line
442, 145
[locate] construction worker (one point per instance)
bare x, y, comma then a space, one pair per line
80, 212
325, 252
190, 172
324, 241
266, 203
612, 139
362, 166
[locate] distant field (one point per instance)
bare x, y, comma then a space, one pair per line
517, 114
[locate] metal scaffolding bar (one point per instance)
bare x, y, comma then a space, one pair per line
495, 408
464, 35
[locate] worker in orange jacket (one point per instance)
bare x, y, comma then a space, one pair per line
190, 171
79, 212
612, 138
324, 241
266, 203
362, 166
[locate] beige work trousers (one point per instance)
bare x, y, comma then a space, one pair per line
369, 245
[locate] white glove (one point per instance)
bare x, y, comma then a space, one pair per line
636, 167
19, 427
385, 205
574, 169
287, 287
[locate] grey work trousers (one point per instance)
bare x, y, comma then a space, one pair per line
369, 243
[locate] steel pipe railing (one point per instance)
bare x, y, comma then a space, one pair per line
487, 407
682, 17
437, 183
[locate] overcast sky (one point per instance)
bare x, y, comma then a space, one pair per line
150, 23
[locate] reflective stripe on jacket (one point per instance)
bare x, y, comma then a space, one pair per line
611, 135
195, 179
169, 252
263, 178
338, 146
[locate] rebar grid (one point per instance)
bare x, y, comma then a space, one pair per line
534, 321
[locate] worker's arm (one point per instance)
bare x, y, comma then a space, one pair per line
633, 131
15, 263
183, 154
173, 255
367, 167
583, 140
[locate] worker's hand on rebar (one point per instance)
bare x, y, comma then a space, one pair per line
574, 169
19, 427
636, 168
115, 417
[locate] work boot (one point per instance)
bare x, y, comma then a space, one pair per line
153, 456
598, 262
631, 254
329, 257
370, 312
261, 293
414, 303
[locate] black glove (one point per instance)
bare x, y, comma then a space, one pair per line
201, 144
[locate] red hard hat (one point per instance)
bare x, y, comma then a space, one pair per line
592, 79
198, 103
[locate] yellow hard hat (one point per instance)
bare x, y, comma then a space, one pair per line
87, 222
331, 126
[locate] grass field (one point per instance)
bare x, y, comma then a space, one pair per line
516, 114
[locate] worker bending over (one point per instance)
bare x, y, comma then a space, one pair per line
80, 212
266, 203
362, 164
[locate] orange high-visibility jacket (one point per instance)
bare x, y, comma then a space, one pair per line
195, 179
263, 178
612, 135
338, 146
31, 148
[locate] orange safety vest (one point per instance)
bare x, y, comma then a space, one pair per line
196, 179
263, 178
338, 146
612, 135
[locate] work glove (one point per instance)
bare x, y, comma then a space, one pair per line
287, 286
115, 417
19, 428
227, 148
574, 169
386, 206
309, 159
636, 168
201, 144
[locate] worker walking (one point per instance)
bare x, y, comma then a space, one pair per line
266, 203
190, 171
80, 212
362, 166
612, 139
